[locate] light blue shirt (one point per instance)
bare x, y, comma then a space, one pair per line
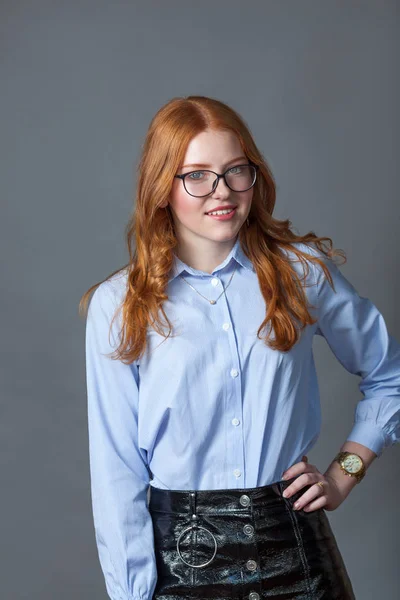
214, 407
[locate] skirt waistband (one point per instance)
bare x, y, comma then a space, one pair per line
209, 501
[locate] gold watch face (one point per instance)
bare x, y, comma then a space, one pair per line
352, 463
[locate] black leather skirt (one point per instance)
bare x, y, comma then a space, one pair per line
244, 544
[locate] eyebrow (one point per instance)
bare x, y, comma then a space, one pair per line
206, 165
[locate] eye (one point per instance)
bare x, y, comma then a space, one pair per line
196, 175
233, 169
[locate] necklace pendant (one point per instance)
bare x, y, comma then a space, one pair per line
212, 301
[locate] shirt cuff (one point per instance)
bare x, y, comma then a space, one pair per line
368, 434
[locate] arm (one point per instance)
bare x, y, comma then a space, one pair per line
118, 466
345, 483
358, 336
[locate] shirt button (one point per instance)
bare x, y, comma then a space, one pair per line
235, 421
225, 326
254, 596
251, 565
248, 529
214, 281
244, 500
237, 473
234, 372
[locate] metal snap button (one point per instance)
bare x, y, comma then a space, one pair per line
248, 529
251, 565
244, 500
254, 596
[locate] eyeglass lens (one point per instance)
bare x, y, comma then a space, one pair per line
239, 179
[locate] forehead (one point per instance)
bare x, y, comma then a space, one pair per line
213, 148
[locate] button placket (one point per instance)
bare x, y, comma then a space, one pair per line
245, 501
233, 440
251, 561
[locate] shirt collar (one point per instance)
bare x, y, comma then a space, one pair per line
236, 253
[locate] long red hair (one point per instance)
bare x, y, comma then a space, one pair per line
151, 239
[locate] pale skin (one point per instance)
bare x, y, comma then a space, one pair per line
337, 485
203, 243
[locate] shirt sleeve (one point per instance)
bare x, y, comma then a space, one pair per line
119, 473
357, 334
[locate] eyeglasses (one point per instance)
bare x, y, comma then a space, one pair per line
239, 178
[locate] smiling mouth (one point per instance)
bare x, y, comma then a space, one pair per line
225, 211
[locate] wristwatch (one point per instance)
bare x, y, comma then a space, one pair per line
352, 464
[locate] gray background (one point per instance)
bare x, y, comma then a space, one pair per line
317, 84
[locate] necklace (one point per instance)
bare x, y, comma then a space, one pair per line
210, 301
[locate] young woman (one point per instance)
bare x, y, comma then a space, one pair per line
202, 391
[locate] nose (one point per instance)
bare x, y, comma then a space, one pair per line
222, 189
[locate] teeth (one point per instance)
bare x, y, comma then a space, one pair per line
221, 212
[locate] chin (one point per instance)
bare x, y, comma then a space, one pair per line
227, 236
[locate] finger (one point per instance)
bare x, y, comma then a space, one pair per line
319, 502
301, 467
314, 493
308, 477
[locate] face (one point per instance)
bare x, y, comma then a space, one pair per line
219, 150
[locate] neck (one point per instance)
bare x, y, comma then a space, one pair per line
204, 256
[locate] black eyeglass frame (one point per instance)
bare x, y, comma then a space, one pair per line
219, 176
